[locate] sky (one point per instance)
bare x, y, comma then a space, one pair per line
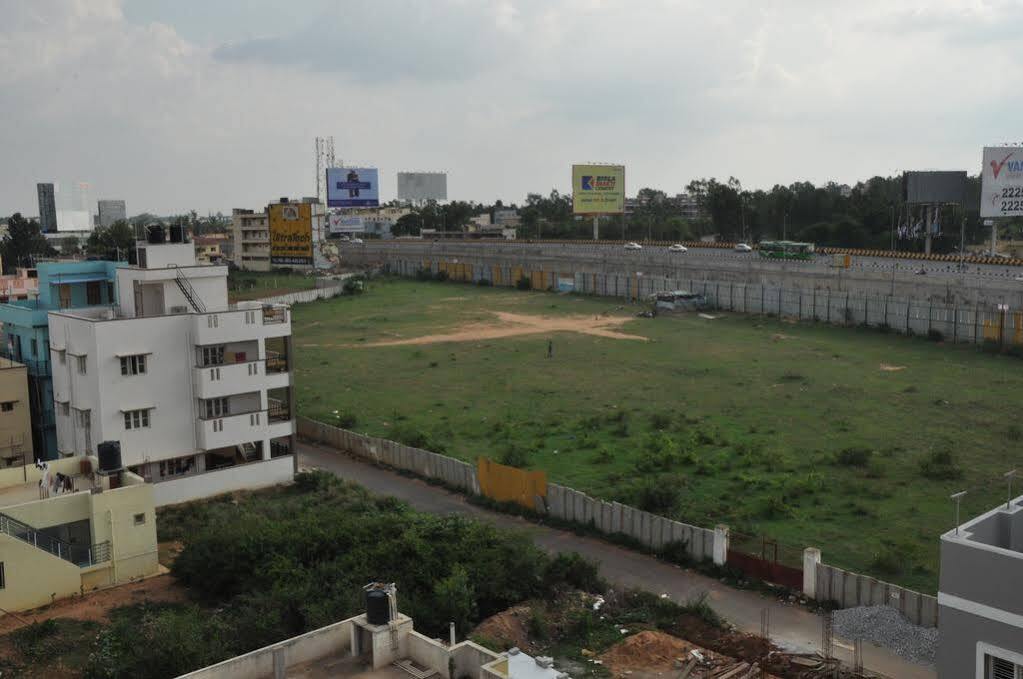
174, 105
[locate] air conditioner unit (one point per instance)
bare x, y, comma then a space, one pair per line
179, 309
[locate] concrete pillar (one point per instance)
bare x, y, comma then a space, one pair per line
811, 558
720, 544
280, 666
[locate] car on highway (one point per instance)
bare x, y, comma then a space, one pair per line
357, 241
677, 247
633, 246
743, 247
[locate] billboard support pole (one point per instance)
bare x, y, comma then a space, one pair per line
596, 235
994, 236
929, 227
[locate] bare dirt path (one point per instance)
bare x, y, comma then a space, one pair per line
514, 325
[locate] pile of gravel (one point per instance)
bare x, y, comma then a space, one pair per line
885, 626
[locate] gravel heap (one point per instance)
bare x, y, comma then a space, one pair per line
885, 626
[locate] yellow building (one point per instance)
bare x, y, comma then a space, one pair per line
69, 530
15, 422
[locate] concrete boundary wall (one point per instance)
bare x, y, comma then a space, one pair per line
849, 590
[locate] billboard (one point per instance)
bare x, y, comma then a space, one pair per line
422, 186
352, 187
598, 189
1001, 184
291, 234
930, 187
339, 222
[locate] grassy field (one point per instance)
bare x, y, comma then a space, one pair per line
846, 439
246, 285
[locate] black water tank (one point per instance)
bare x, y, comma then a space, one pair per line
177, 233
155, 234
109, 456
378, 607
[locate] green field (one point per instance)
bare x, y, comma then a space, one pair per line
246, 285
789, 430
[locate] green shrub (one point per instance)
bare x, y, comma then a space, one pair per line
603, 456
660, 421
935, 335
1014, 433
941, 465
524, 283
573, 571
515, 455
656, 496
345, 419
484, 283
854, 457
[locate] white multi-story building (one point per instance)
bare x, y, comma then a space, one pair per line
250, 232
197, 392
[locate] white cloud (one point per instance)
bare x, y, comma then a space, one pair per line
504, 95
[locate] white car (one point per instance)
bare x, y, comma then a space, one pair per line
357, 241
743, 247
677, 247
633, 246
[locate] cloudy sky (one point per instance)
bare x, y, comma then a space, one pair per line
179, 104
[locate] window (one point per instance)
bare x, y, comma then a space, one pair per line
92, 293
216, 407
136, 419
176, 467
1000, 668
133, 365
34, 344
82, 366
7, 406
212, 356
140, 519
3, 580
82, 418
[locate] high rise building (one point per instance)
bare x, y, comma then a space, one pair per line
47, 207
110, 211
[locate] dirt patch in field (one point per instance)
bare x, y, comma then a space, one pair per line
514, 325
892, 368
508, 627
97, 605
652, 654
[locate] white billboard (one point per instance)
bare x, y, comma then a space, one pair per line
352, 187
339, 222
1001, 192
422, 186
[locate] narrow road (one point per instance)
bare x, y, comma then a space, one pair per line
791, 627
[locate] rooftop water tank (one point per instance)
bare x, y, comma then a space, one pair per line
109, 453
378, 607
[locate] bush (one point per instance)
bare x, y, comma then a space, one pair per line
441, 276
355, 285
484, 283
424, 274
660, 421
573, 571
935, 335
344, 419
515, 455
941, 465
524, 283
1014, 433
656, 496
854, 457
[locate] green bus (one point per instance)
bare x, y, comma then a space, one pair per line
786, 249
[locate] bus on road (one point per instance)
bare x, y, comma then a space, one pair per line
786, 249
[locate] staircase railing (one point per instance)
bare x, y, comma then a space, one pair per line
79, 555
189, 292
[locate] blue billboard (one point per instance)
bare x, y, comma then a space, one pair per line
352, 187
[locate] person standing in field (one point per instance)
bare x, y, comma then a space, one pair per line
550, 348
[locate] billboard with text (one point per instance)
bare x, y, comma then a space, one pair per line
598, 189
340, 222
291, 234
1001, 190
418, 186
352, 187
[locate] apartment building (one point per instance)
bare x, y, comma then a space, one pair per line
250, 232
26, 332
15, 422
980, 597
197, 392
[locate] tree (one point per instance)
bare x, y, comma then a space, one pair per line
407, 225
113, 242
23, 244
70, 246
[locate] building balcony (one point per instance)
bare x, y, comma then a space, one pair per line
246, 321
232, 430
230, 378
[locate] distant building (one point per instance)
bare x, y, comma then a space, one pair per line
250, 233
507, 218
198, 392
688, 206
208, 249
23, 284
47, 207
110, 211
980, 597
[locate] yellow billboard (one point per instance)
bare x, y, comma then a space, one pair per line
598, 189
291, 234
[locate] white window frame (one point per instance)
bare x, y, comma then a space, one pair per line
213, 356
216, 407
136, 419
133, 365
83, 365
984, 650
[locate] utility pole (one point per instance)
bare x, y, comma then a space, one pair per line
785, 226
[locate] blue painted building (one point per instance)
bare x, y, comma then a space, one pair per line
26, 332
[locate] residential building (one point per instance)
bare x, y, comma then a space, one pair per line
688, 206
507, 218
15, 423
208, 249
980, 597
26, 334
197, 392
23, 284
70, 529
250, 232
47, 206
110, 211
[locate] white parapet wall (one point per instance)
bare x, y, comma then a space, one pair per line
240, 477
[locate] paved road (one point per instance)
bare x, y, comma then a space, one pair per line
792, 627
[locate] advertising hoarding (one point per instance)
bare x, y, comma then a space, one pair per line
934, 187
422, 186
339, 222
1001, 184
291, 234
598, 189
352, 187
